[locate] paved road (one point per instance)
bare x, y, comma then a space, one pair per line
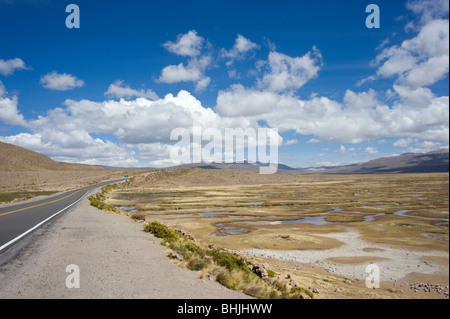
19, 220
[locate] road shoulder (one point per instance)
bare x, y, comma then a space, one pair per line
115, 258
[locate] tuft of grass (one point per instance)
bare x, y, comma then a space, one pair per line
96, 202
297, 291
228, 260
196, 264
162, 231
137, 216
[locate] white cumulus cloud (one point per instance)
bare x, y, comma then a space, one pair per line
8, 67
288, 73
119, 90
60, 81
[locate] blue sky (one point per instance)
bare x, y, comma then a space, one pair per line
111, 91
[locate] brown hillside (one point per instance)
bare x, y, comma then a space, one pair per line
16, 158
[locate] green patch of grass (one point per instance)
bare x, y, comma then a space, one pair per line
229, 261
271, 273
137, 216
8, 197
100, 204
162, 231
297, 291
196, 264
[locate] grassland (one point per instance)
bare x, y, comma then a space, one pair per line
348, 221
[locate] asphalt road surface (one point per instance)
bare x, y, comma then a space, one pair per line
20, 220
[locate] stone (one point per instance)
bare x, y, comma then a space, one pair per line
304, 296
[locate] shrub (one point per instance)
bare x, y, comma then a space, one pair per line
227, 280
196, 264
100, 205
229, 261
190, 247
137, 216
297, 291
161, 231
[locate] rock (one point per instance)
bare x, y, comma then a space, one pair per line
260, 271
269, 280
280, 282
176, 256
315, 290
304, 296
212, 246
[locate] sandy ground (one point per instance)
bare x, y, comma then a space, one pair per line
393, 263
116, 259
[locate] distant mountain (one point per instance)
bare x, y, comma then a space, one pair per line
432, 162
245, 166
16, 158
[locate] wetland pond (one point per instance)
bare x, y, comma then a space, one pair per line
231, 216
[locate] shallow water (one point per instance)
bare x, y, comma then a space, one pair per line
130, 209
318, 220
212, 214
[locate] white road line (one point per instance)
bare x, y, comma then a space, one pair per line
41, 223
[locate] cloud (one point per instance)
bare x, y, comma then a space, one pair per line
8, 67
420, 61
403, 142
291, 142
60, 81
367, 79
371, 150
313, 140
240, 48
342, 149
129, 129
189, 44
291, 73
362, 117
9, 113
180, 73
2, 89
119, 90
429, 9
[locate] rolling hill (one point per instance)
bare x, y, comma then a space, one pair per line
16, 158
432, 162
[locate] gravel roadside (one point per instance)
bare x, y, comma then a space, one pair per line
115, 258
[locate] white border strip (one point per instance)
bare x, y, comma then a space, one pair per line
43, 222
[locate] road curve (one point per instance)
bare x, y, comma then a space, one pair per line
19, 220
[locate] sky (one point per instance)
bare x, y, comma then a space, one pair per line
112, 91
